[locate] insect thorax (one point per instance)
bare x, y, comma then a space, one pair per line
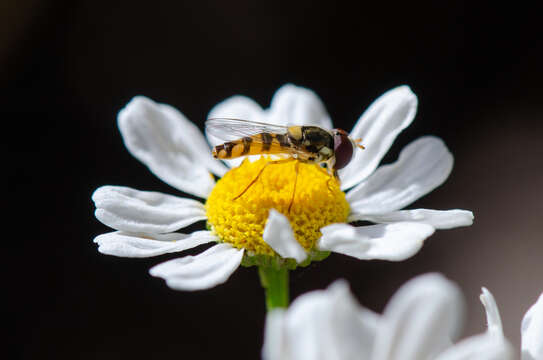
316, 142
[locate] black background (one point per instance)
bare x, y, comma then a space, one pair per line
67, 67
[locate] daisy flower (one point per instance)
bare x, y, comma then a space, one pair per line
420, 322
269, 226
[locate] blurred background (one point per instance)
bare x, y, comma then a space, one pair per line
68, 67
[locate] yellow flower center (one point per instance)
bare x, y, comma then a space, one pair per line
304, 193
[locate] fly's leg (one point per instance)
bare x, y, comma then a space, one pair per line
295, 182
328, 185
333, 177
274, 162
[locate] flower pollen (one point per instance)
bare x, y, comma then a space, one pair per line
310, 199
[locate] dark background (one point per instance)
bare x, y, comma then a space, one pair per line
67, 67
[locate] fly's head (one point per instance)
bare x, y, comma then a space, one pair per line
344, 148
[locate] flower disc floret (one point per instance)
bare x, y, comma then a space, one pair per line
314, 198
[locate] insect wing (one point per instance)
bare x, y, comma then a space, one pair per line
231, 129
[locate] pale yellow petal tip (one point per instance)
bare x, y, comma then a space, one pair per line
310, 200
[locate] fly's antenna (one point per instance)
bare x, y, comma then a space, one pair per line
357, 142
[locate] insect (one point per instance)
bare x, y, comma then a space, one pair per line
306, 144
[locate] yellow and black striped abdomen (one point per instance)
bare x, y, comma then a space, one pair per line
263, 143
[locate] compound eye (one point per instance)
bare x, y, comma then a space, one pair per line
343, 148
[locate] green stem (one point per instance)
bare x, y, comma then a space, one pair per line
275, 283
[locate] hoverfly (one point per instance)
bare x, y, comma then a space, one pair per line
306, 144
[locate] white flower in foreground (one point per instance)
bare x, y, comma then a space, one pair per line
245, 229
421, 322
532, 332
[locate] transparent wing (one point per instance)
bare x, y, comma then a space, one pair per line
231, 129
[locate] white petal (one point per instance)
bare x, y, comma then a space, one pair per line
492, 345
532, 332
296, 105
237, 107
211, 268
146, 245
275, 342
171, 146
439, 219
132, 210
493, 318
394, 242
479, 347
378, 127
422, 166
420, 320
279, 235
323, 324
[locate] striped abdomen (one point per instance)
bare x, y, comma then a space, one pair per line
263, 143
